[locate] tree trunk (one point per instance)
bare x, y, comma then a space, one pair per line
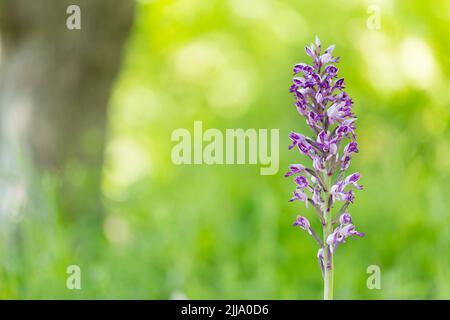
54, 89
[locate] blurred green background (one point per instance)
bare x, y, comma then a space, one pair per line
225, 232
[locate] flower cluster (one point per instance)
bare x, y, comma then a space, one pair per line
320, 98
343, 231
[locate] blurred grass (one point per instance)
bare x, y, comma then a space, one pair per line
225, 231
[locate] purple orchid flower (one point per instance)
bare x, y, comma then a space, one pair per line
295, 169
328, 110
345, 218
301, 182
341, 233
302, 222
299, 194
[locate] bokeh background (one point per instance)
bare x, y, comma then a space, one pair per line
225, 232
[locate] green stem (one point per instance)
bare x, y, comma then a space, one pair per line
328, 263
327, 255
